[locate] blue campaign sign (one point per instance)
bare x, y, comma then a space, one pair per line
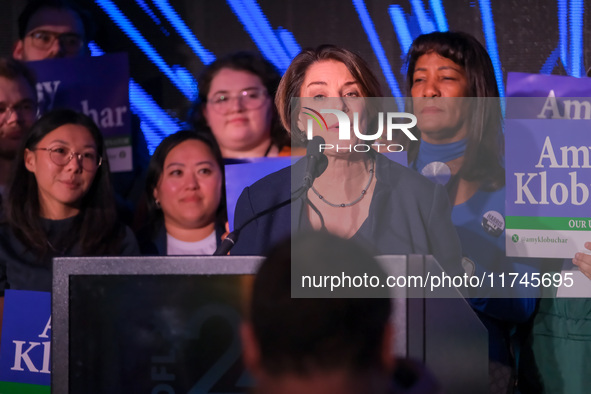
97, 86
548, 162
26, 335
548, 168
540, 85
535, 96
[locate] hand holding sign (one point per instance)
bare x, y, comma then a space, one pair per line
583, 261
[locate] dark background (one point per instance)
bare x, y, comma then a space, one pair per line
526, 32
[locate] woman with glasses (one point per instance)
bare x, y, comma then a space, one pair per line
185, 196
60, 202
235, 103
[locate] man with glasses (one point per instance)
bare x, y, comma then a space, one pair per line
18, 110
52, 28
60, 28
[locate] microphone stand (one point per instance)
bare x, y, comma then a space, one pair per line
315, 159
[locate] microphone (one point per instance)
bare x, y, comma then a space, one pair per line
317, 161
229, 242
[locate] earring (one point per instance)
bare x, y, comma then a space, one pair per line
157, 203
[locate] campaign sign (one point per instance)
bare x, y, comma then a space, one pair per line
548, 177
96, 86
25, 347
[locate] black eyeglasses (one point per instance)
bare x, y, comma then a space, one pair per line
62, 156
70, 43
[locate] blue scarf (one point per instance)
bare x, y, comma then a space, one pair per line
429, 153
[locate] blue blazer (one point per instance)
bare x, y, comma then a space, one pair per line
408, 214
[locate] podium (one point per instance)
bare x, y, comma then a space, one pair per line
170, 324
441, 330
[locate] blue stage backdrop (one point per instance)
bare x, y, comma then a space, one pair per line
169, 41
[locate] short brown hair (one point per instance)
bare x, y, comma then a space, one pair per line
291, 83
12, 69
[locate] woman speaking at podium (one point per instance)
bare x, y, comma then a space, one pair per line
362, 195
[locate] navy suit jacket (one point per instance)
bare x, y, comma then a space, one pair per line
408, 214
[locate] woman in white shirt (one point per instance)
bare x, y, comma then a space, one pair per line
185, 196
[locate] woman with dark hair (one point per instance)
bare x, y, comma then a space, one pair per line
60, 202
482, 137
235, 104
455, 99
185, 195
361, 195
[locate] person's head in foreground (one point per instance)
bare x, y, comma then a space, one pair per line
317, 345
62, 172
443, 69
52, 28
185, 186
235, 104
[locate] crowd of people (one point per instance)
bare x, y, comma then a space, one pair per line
58, 198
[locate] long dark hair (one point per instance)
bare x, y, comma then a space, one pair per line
156, 167
483, 159
252, 63
96, 228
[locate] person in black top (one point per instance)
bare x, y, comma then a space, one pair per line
60, 202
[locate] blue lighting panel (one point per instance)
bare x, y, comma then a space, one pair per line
177, 22
256, 24
289, 42
155, 122
425, 22
375, 43
563, 33
491, 42
550, 63
576, 37
133, 33
401, 28
148, 11
439, 14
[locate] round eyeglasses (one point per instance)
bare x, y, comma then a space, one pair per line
252, 98
62, 156
70, 43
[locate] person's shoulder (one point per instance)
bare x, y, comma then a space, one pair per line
401, 176
5, 232
277, 182
128, 245
152, 241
